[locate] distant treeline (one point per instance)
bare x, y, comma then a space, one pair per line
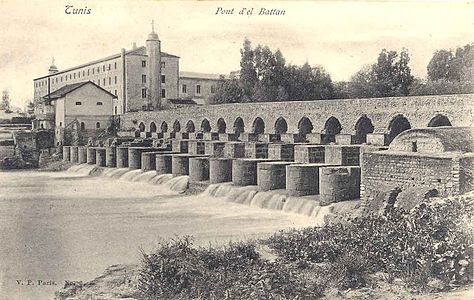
265, 76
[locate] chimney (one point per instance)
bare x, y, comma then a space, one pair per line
134, 45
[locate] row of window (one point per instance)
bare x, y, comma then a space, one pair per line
98, 103
163, 64
144, 93
163, 78
184, 89
71, 76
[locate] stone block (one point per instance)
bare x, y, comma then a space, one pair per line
345, 139
82, 154
344, 155
196, 147
268, 137
74, 154
303, 179
210, 136
256, 150
196, 135
244, 171
198, 169
181, 135
220, 170
91, 155
248, 137
292, 138
180, 146
122, 157
111, 157
100, 157
226, 137
234, 150
285, 152
309, 154
379, 139
67, 153
214, 148
339, 184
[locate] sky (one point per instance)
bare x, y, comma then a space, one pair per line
342, 36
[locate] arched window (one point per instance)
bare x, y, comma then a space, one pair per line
205, 126
439, 120
97, 125
305, 126
239, 126
164, 127
152, 127
363, 126
141, 127
176, 126
83, 126
190, 126
258, 126
397, 125
281, 126
221, 125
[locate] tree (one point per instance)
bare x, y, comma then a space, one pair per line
228, 91
439, 65
248, 74
30, 108
452, 67
5, 105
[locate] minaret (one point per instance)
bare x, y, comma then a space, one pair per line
52, 69
153, 49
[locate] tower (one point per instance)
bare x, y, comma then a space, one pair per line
52, 69
153, 49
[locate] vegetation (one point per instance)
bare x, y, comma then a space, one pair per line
265, 76
433, 242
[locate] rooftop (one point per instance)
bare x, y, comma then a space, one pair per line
201, 75
63, 91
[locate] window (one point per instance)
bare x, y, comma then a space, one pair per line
414, 147
163, 65
143, 78
78, 103
115, 110
79, 74
103, 68
103, 80
98, 82
98, 70
143, 93
97, 125
61, 79
109, 67
99, 103
183, 88
83, 73
83, 126
115, 65
213, 89
110, 80
115, 80
198, 89
60, 124
115, 92
163, 79
74, 75
143, 63
163, 93
87, 72
93, 70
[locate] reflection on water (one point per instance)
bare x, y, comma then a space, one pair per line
71, 226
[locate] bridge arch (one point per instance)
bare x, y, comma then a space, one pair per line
362, 127
164, 127
281, 126
190, 126
141, 127
205, 126
258, 126
239, 126
305, 126
221, 125
332, 126
397, 125
176, 126
439, 120
152, 127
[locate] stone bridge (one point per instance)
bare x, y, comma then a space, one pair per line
346, 116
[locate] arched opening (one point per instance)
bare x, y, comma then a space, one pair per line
305, 126
398, 124
164, 127
258, 126
97, 125
83, 126
439, 120
363, 126
152, 127
281, 126
176, 126
205, 126
221, 125
239, 126
190, 126
332, 126
141, 127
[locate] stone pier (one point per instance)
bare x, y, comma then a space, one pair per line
198, 169
100, 156
339, 184
74, 155
214, 148
280, 151
308, 154
180, 164
256, 150
272, 175
91, 159
234, 150
303, 179
244, 170
111, 157
135, 156
82, 154
220, 170
196, 147
122, 157
67, 153
163, 163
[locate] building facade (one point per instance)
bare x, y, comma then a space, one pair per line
198, 86
140, 78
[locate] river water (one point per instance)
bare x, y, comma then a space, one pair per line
71, 226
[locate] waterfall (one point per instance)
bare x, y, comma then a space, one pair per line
278, 200
176, 184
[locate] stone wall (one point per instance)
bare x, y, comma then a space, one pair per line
419, 111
